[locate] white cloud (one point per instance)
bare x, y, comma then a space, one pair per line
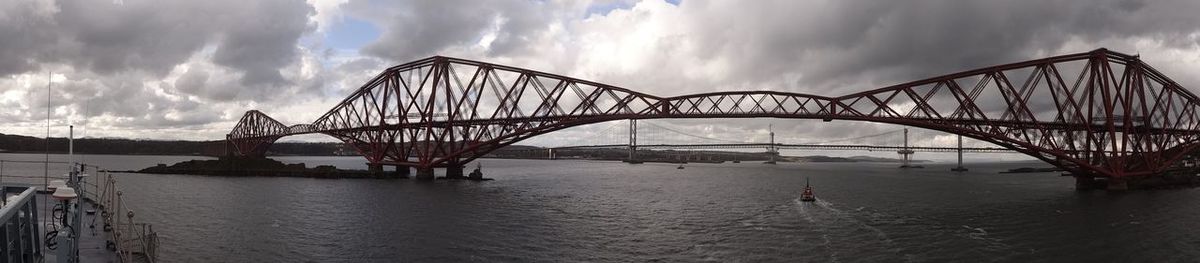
328, 13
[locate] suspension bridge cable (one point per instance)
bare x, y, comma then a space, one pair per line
693, 136
601, 133
614, 125
858, 138
610, 127
733, 141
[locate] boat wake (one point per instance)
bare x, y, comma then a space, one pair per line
976, 232
832, 221
980, 234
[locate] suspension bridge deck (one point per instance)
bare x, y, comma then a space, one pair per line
848, 147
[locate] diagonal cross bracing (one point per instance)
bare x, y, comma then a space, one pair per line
1099, 113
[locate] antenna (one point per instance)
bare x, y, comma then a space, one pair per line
771, 130
87, 109
46, 171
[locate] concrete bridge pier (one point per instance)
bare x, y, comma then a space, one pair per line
425, 173
1117, 184
1091, 182
1084, 182
454, 171
402, 171
960, 167
378, 170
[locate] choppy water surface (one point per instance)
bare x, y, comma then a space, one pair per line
604, 211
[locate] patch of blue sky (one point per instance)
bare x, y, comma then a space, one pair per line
350, 34
606, 7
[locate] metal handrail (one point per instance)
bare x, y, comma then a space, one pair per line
19, 228
133, 241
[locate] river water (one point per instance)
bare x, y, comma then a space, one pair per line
575, 210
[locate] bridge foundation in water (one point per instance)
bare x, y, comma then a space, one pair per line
379, 171
1088, 182
425, 174
454, 171
960, 167
402, 171
1166, 180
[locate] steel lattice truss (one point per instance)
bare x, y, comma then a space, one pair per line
1098, 113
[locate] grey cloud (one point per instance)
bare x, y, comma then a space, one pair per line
255, 37
264, 40
415, 29
836, 46
887, 42
118, 57
23, 25
193, 81
212, 83
352, 75
144, 35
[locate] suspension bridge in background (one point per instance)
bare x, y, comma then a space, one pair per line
1097, 115
896, 141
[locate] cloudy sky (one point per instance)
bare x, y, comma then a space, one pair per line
156, 69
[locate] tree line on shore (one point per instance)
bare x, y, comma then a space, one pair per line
28, 144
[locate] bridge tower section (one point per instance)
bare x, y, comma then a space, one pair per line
1117, 118
960, 167
633, 132
906, 153
772, 149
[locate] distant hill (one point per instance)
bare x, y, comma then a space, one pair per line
27, 144
880, 159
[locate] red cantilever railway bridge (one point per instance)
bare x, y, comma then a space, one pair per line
1094, 114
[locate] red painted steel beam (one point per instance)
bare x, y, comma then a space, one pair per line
1097, 113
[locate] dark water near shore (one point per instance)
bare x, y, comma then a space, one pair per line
605, 211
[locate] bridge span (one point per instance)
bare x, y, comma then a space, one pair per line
785, 146
1095, 114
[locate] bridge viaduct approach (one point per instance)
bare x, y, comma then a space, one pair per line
1094, 114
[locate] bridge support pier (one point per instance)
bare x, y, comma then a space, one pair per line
375, 168
402, 171
425, 173
1084, 182
1087, 182
454, 171
960, 167
1117, 184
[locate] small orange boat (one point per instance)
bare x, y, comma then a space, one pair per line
807, 196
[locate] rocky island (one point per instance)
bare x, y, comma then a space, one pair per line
260, 166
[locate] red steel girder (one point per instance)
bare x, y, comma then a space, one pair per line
1098, 113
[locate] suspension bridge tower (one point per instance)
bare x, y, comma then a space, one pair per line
772, 150
633, 131
960, 167
906, 153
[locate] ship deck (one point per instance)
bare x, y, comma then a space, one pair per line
92, 241
93, 238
